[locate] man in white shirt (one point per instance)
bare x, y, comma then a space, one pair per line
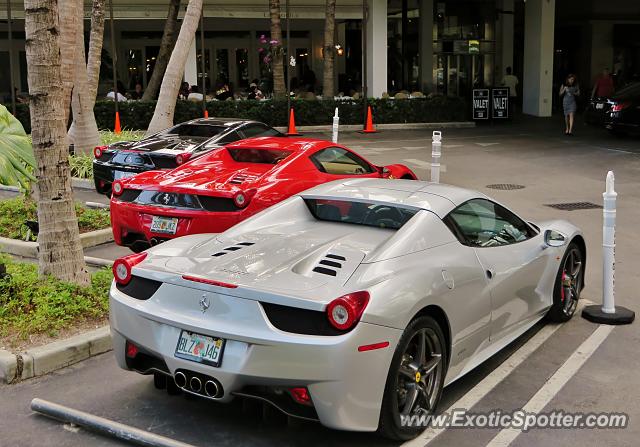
511, 81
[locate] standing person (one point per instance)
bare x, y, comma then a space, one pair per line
511, 81
569, 91
137, 93
603, 87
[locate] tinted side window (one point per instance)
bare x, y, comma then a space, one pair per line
258, 130
482, 223
230, 138
338, 161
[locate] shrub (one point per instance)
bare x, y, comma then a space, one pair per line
30, 305
14, 212
137, 114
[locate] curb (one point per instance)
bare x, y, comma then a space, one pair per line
29, 249
100, 262
82, 183
392, 126
53, 356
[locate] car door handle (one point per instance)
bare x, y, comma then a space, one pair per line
490, 273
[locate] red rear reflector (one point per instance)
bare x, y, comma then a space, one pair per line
380, 345
131, 350
209, 281
620, 106
300, 395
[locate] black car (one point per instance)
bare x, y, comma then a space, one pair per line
624, 113
170, 148
596, 110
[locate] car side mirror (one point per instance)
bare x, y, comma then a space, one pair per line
554, 238
384, 171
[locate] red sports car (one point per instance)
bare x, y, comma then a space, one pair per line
218, 190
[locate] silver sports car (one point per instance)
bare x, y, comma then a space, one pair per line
353, 303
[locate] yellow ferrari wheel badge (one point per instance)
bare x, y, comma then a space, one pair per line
418, 376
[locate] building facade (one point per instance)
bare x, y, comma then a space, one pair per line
445, 47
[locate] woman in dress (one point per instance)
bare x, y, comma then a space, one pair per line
568, 92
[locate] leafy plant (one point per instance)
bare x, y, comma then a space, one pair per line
30, 305
81, 166
14, 212
16, 154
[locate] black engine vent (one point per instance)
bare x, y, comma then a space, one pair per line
330, 262
238, 246
139, 288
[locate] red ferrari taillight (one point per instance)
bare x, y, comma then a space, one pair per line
620, 106
301, 395
122, 267
117, 188
345, 312
131, 350
242, 198
182, 158
98, 151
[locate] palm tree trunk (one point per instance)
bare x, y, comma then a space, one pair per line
277, 62
60, 252
329, 49
163, 114
166, 47
84, 131
95, 49
68, 10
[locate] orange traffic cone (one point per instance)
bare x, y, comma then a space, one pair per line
368, 128
292, 124
117, 126
206, 113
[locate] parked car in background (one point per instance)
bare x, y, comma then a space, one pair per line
353, 303
624, 113
170, 148
596, 111
218, 190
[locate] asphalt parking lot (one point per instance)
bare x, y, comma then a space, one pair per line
598, 365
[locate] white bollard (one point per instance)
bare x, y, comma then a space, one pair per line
609, 245
336, 122
608, 313
436, 152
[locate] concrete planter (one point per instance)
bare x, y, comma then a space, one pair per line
30, 249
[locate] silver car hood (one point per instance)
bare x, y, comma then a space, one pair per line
308, 261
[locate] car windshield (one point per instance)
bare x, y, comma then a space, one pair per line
262, 156
199, 131
380, 215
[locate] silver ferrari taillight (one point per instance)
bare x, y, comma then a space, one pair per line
345, 312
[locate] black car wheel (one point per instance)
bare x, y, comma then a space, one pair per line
415, 380
568, 284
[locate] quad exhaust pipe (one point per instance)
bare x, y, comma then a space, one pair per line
198, 384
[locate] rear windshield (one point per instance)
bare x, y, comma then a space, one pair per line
195, 130
360, 213
628, 91
263, 156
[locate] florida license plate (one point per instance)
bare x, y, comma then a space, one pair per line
167, 225
200, 348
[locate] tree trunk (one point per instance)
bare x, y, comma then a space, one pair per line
95, 49
329, 50
163, 114
277, 61
84, 131
166, 47
60, 252
68, 20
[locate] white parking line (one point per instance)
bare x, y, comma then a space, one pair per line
424, 164
556, 382
486, 144
478, 392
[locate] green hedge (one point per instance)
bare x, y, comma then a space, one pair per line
137, 114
